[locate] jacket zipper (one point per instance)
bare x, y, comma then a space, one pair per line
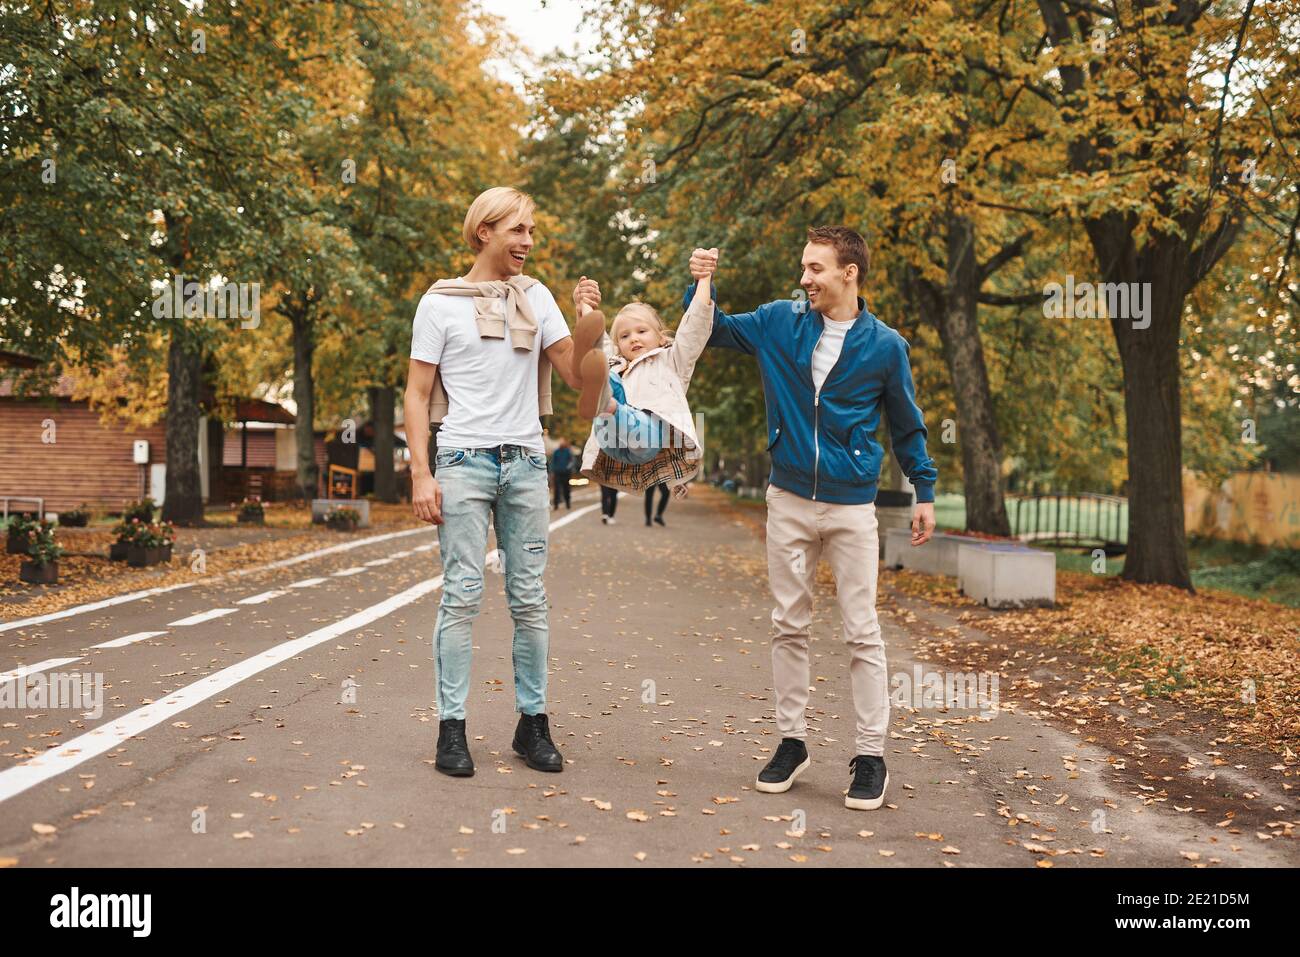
817, 399
817, 451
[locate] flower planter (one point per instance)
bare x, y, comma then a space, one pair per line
137, 556
166, 553
39, 573
117, 551
255, 519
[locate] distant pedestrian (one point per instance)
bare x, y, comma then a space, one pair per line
562, 469
608, 502
663, 503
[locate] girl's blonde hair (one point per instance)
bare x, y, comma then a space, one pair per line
491, 207
643, 311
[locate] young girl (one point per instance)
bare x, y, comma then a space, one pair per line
634, 390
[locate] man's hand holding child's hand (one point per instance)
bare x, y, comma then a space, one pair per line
704, 263
586, 295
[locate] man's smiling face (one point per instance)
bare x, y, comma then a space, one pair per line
506, 244
824, 279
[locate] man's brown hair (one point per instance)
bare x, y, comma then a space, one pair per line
848, 244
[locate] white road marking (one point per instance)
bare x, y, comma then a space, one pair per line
202, 617
82, 748
378, 561
354, 570
399, 554
263, 596
49, 764
129, 639
26, 670
307, 583
425, 548
333, 550
149, 592
93, 606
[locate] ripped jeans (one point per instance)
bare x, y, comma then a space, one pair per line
509, 483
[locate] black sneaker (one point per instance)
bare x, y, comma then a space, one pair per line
533, 741
870, 778
659, 520
453, 751
788, 763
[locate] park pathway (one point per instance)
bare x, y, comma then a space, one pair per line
287, 718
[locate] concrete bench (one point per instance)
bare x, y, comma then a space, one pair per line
938, 556
1002, 575
319, 506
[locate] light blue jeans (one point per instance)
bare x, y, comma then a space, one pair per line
630, 435
509, 484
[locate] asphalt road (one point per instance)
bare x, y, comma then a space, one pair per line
286, 717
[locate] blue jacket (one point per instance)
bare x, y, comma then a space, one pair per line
562, 459
823, 444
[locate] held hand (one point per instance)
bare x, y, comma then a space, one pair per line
704, 262
586, 295
681, 491
922, 523
426, 499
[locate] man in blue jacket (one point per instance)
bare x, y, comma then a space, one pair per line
828, 367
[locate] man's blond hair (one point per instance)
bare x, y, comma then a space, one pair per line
500, 203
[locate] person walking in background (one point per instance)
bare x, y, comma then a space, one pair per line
608, 502
663, 503
562, 469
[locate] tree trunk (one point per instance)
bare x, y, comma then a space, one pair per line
381, 413
216, 451
304, 396
1157, 538
183, 500
977, 429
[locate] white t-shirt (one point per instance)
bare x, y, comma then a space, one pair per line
491, 386
828, 349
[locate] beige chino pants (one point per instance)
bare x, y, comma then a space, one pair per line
799, 533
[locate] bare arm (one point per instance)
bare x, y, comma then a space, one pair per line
561, 355
586, 295
426, 495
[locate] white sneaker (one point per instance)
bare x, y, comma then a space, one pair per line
611, 520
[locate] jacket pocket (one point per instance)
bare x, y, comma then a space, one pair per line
773, 434
864, 454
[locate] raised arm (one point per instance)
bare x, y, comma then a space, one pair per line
697, 324
740, 332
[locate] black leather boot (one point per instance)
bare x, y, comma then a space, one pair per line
453, 750
533, 741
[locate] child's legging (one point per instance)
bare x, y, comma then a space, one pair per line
649, 498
